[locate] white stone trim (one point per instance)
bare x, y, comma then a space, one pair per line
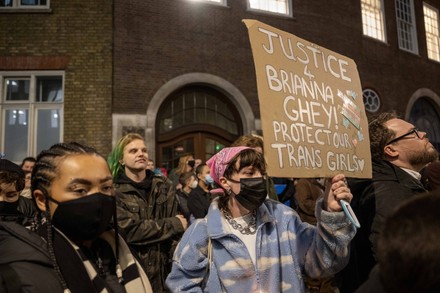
420, 93
119, 121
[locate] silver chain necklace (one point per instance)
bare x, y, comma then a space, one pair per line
250, 229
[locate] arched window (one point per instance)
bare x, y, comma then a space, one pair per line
198, 105
195, 119
425, 116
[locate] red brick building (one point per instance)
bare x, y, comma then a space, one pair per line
168, 50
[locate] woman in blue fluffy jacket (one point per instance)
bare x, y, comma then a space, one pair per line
249, 243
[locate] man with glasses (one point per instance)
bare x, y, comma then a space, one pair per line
399, 151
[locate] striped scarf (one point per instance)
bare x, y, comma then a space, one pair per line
129, 269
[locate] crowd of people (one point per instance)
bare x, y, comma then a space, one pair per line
72, 220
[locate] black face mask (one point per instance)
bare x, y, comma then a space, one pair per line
252, 193
191, 163
9, 208
84, 218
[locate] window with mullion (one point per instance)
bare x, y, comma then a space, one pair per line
31, 112
373, 23
406, 29
432, 32
25, 3
273, 6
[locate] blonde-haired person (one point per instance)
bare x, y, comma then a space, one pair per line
249, 243
186, 164
147, 208
250, 140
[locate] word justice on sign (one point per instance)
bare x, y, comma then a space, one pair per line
306, 55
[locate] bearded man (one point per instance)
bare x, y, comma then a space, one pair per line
399, 151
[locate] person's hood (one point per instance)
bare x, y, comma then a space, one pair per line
123, 179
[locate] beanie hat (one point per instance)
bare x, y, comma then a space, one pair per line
8, 166
220, 161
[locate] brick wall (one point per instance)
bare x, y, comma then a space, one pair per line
155, 41
81, 33
158, 40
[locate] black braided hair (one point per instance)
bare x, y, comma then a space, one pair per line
43, 173
45, 169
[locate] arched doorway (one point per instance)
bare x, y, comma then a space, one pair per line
425, 116
197, 119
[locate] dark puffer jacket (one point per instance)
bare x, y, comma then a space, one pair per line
24, 261
146, 216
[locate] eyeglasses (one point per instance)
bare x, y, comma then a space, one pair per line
415, 131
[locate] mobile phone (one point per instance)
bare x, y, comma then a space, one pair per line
350, 214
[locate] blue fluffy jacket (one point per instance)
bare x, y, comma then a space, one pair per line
286, 248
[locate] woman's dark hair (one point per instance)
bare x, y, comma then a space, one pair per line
43, 174
199, 169
27, 159
246, 158
184, 177
11, 173
12, 177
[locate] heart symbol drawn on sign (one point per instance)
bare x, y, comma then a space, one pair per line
361, 164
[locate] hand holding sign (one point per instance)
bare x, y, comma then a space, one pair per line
337, 197
336, 190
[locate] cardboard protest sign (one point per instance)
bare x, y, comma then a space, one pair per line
312, 112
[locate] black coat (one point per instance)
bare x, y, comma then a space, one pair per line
182, 198
198, 202
147, 217
373, 201
24, 255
